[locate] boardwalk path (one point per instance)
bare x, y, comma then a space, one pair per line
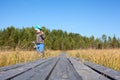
55, 68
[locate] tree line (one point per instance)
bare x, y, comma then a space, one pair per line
15, 38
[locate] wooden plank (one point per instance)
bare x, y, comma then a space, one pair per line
57, 68
115, 75
17, 71
17, 65
13, 66
64, 71
38, 73
85, 72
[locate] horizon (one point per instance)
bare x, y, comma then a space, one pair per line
67, 32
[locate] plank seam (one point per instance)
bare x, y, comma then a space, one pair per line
24, 71
109, 77
47, 78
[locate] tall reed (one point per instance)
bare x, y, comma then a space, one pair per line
15, 57
106, 57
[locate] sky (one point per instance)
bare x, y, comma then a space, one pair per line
86, 17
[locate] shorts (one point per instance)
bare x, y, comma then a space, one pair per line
40, 48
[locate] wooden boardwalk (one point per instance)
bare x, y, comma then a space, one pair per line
58, 68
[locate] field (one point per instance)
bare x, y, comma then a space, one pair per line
109, 57
14, 57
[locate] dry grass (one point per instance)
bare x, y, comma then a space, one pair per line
15, 57
109, 57
52, 53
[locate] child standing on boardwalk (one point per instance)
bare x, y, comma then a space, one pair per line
39, 40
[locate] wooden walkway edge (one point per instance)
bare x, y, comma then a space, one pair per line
57, 68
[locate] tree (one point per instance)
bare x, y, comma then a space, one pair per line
109, 42
98, 43
92, 45
104, 39
115, 42
56, 39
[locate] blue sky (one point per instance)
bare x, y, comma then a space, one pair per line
86, 17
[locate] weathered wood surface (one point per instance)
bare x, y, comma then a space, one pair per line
112, 74
55, 68
86, 72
